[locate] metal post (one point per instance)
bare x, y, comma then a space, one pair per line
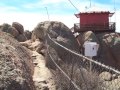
90, 65
47, 13
90, 3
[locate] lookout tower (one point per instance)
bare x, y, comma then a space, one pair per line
96, 21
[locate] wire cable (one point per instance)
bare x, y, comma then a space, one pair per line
73, 5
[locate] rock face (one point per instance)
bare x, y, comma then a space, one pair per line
58, 32
15, 65
18, 26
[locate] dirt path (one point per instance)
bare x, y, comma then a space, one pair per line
42, 76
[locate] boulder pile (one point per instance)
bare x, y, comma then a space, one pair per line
17, 31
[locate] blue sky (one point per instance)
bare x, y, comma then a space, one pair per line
31, 12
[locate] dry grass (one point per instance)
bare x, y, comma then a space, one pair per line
85, 79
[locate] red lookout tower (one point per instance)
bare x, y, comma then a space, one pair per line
94, 21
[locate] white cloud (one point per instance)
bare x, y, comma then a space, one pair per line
85, 6
52, 1
8, 8
116, 1
30, 20
43, 3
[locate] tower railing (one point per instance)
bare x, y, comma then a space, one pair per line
105, 27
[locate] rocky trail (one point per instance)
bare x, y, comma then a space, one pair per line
42, 76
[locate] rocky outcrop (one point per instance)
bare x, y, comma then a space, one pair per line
16, 67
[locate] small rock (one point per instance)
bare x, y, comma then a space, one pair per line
36, 46
35, 63
45, 88
119, 77
43, 52
44, 82
106, 76
114, 76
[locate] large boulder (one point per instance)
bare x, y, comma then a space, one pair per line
90, 36
19, 27
55, 30
9, 29
59, 33
15, 65
39, 31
